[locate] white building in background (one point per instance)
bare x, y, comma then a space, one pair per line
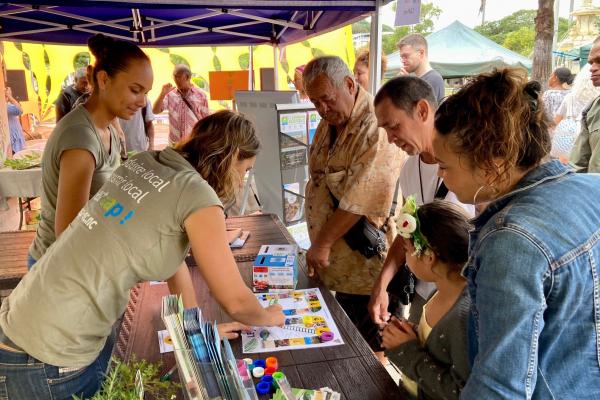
584, 30
362, 39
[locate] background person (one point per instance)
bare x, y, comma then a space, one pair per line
298, 82
185, 103
585, 155
532, 273
69, 95
84, 150
569, 114
415, 60
361, 68
139, 130
14, 111
558, 86
120, 238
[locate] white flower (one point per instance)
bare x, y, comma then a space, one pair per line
406, 225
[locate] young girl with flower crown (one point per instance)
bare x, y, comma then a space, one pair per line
433, 356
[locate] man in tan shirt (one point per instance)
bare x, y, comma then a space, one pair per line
350, 159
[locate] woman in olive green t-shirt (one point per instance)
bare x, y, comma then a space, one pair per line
84, 150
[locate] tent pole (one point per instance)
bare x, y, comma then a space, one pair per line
375, 49
275, 66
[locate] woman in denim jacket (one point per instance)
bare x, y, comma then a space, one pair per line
534, 263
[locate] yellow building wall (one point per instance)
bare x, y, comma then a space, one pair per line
53, 64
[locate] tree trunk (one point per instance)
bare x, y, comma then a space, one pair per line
542, 49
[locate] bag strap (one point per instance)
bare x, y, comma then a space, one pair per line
441, 191
189, 105
569, 105
395, 199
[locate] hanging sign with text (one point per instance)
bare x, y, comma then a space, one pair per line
408, 12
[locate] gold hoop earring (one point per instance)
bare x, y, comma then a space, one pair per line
493, 189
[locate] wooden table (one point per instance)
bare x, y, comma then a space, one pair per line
14, 247
350, 369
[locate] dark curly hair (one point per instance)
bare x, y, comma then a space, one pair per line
497, 115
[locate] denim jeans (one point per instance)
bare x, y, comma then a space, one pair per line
24, 377
30, 261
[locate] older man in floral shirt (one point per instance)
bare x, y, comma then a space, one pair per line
186, 104
350, 160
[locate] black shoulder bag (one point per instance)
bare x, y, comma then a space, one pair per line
403, 283
364, 237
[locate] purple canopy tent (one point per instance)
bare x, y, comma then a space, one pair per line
168, 23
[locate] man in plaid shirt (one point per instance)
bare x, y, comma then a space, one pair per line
186, 104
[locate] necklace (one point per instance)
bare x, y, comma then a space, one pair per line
437, 184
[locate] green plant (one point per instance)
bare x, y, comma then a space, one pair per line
27, 161
120, 382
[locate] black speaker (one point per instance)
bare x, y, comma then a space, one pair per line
15, 79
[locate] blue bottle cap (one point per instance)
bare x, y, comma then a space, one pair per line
260, 363
263, 388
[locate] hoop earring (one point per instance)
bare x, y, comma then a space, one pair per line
477, 193
494, 192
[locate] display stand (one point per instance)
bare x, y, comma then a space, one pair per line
297, 124
260, 108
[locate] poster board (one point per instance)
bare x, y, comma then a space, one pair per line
267, 79
261, 109
224, 84
308, 324
15, 79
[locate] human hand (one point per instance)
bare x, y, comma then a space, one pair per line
402, 72
276, 316
378, 306
396, 333
317, 257
167, 87
230, 330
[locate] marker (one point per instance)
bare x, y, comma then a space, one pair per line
167, 376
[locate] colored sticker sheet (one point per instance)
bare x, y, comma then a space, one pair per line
308, 324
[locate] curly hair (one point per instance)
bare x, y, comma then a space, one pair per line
498, 115
362, 57
212, 146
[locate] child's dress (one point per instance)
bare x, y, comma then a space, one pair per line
439, 368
